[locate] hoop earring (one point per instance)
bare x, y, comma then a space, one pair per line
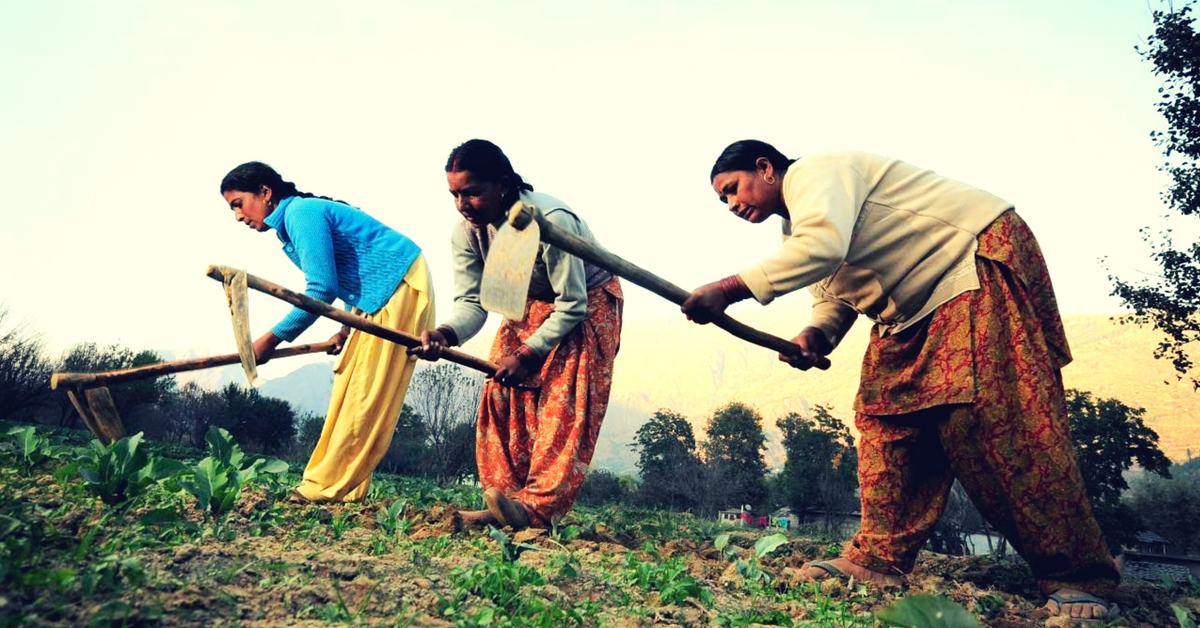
769, 180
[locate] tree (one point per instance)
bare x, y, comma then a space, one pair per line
408, 454
192, 409
24, 369
1109, 436
308, 433
667, 461
734, 451
602, 486
1178, 501
720, 485
821, 472
446, 398
1171, 302
959, 521
257, 422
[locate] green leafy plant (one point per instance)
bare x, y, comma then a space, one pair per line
19, 544
389, 517
339, 611
510, 551
755, 618
123, 470
30, 448
722, 544
928, 611
564, 533
1183, 617
989, 605
340, 524
749, 569
88, 538
110, 573
670, 578
217, 481
1191, 585
121, 613
768, 544
565, 565
497, 581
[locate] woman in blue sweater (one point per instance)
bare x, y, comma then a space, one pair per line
379, 274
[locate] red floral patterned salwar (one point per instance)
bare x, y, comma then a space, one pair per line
535, 443
975, 393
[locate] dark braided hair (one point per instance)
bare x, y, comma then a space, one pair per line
486, 162
251, 176
741, 155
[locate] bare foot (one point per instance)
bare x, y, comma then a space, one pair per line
296, 497
1077, 604
815, 571
477, 518
507, 510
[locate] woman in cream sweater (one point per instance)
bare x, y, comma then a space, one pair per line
961, 378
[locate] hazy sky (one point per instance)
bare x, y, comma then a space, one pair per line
119, 119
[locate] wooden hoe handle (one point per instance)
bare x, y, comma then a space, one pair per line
601, 257
149, 371
309, 304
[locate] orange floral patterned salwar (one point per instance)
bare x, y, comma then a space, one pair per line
975, 393
535, 443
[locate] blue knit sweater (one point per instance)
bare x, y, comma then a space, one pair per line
344, 253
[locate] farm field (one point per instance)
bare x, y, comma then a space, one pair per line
146, 535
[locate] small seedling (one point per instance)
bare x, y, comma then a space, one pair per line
389, 517
509, 550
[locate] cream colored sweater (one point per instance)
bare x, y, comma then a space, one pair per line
875, 236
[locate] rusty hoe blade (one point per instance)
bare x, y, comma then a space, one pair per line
239, 309
79, 400
505, 285
104, 411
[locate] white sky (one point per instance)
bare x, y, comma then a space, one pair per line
118, 120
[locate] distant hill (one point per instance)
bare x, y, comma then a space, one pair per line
306, 388
694, 370
211, 379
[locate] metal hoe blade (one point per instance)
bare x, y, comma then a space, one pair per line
235, 294
78, 397
505, 285
104, 411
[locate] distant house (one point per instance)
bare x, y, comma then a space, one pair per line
1158, 567
1150, 543
781, 519
1151, 559
784, 519
731, 516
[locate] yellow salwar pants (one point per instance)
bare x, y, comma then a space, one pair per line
370, 379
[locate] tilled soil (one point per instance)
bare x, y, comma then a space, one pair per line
322, 564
